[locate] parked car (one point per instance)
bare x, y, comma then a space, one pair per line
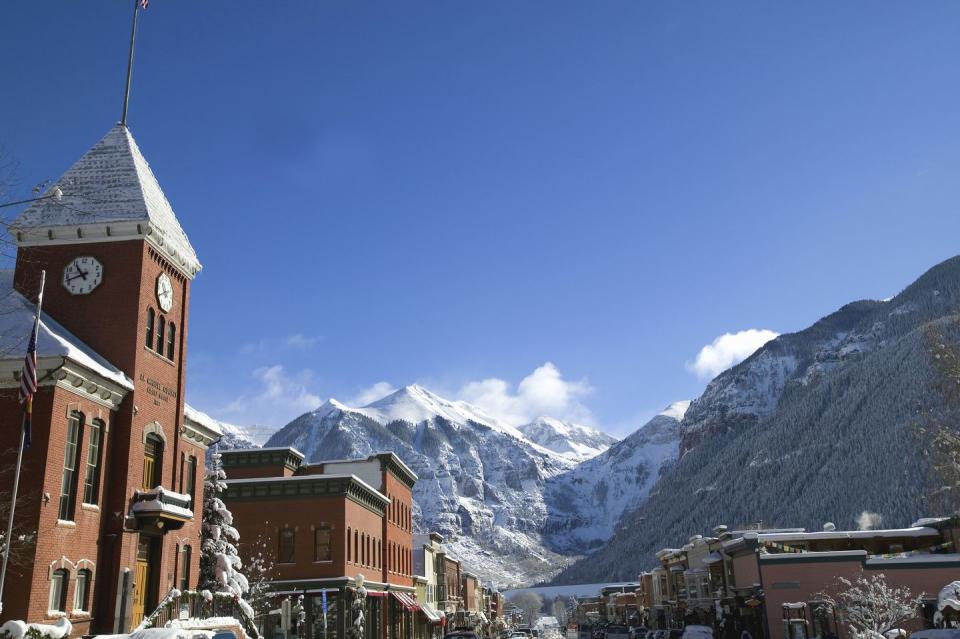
697, 632
461, 634
638, 633
615, 631
936, 633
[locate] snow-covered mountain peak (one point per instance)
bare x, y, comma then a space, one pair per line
416, 404
573, 441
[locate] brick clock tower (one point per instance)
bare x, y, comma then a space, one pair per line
118, 460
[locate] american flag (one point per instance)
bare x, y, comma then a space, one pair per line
28, 386
144, 3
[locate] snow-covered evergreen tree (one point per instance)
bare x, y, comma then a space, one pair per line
219, 560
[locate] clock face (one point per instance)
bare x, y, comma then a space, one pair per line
82, 275
164, 292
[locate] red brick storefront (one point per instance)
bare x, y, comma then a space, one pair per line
326, 523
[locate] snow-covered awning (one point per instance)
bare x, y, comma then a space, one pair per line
432, 615
162, 508
713, 558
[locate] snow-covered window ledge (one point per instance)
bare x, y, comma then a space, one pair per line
56, 614
63, 523
91, 507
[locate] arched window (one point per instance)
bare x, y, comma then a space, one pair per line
186, 557
81, 590
91, 477
161, 330
171, 339
58, 590
152, 461
71, 458
151, 318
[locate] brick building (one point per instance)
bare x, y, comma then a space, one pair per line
110, 482
327, 523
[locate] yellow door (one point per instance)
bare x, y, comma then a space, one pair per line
140, 586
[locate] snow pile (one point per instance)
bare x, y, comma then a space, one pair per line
209, 622
948, 600
16, 629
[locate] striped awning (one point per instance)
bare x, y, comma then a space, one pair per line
432, 615
405, 600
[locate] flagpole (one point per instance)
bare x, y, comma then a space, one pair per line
8, 540
133, 36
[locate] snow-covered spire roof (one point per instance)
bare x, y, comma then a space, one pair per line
109, 194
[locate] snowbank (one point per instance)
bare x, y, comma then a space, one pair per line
16, 629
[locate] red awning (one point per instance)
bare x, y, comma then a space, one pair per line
376, 593
407, 601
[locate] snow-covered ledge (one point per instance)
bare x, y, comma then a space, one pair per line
161, 507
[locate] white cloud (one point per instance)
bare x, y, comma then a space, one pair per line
371, 394
727, 350
279, 398
542, 392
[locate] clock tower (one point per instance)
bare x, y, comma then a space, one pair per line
119, 268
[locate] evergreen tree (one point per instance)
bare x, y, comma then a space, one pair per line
219, 560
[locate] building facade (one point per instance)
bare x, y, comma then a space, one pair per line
110, 426
326, 524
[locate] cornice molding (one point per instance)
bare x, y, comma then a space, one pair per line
68, 375
119, 231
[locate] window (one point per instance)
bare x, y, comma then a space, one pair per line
190, 475
171, 339
68, 483
356, 547
91, 479
58, 591
321, 543
161, 330
81, 590
151, 318
152, 461
349, 546
286, 545
186, 556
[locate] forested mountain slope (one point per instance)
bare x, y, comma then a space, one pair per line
816, 426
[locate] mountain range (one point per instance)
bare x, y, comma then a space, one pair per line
482, 483
822, 424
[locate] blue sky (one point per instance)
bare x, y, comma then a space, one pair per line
458, 194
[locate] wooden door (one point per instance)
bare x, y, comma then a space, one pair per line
140, 586
143, 581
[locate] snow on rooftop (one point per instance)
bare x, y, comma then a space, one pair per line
53, 340
299, 478
202, 418
845, 534
112, 182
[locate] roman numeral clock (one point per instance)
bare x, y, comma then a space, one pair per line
82, 275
